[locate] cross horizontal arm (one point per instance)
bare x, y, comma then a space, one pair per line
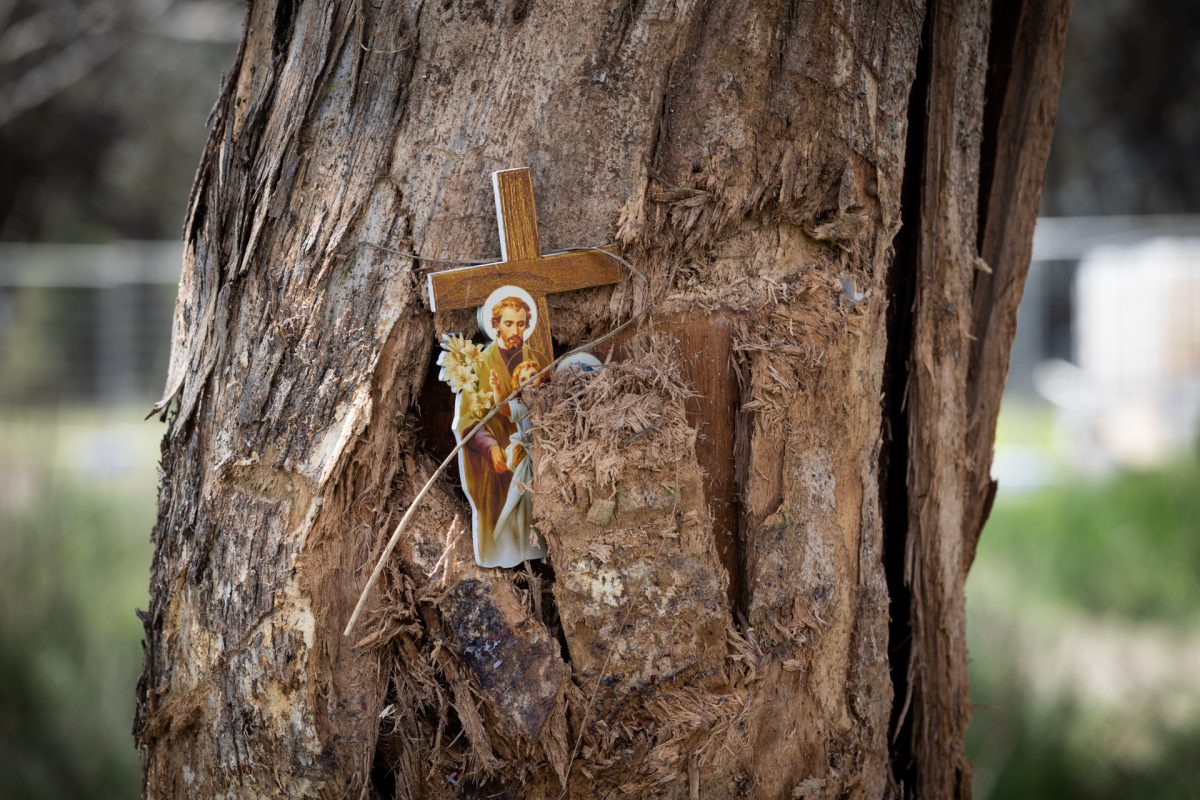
559, 272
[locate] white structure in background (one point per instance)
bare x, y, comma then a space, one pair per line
1109, 333
1132, 395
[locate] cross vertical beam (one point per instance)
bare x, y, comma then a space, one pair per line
522, 263
516, 216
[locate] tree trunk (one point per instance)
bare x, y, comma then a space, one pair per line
760, 515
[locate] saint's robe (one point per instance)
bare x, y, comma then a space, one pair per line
512, 531
486, 488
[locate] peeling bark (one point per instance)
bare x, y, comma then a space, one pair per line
734, 516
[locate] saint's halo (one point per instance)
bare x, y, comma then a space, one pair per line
484, 314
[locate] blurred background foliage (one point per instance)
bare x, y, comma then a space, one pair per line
103, 105
76, 508
1084, 598
103, 110
1083, 606
1128, 125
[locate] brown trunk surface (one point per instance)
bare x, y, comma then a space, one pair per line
760, 515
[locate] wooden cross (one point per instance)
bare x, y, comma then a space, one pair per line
521, 262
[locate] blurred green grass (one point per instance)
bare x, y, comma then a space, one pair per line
1127, 545
77, 492
1083, 606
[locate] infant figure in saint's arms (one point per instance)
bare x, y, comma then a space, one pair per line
519, 415
513, 524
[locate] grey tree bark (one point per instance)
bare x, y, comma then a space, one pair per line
760, 515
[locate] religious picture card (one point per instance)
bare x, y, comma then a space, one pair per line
510, 298
493, 463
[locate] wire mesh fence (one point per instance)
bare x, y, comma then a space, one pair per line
85, 324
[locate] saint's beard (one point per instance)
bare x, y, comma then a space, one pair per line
511, 342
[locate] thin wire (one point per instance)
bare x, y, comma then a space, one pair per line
457, 262
404, 520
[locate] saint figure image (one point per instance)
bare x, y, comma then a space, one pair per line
485, 463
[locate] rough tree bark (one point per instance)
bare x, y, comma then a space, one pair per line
760, 516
